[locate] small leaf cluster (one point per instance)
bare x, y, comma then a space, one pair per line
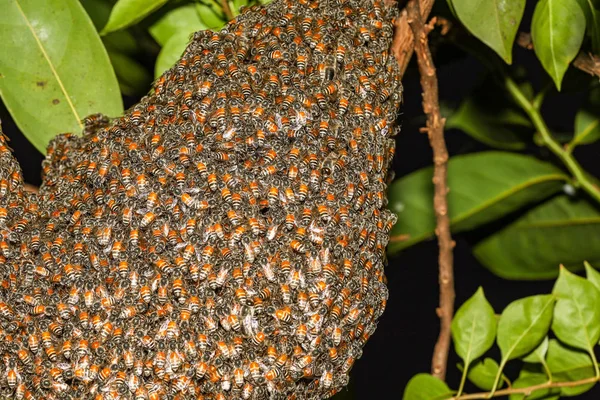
554, 335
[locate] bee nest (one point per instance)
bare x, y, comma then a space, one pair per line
225, 238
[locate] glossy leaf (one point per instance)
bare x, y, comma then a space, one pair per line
474, 328
182, 19
524, 324
561, 230
54, 69
122, 41
592, 17
426, 387
494, 22
592, 275
577, 312
483, 187
494, 126
483, 374
171, 52
211, 15
134, 79
568, 364
538, 355
490, 115
129, 12
557, 31
532, 377
587, 120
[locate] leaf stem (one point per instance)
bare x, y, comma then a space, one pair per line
463, 379
595, 361
527, 390
498, 377
546, 369
581, 177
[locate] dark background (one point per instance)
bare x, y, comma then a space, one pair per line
403, 343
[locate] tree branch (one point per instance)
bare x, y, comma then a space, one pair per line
435, 132
527, 390
403, 43
587, 62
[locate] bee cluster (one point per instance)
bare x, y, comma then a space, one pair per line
225, 238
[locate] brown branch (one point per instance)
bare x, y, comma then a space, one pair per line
399, 238
227, 10
526, 390
403, 43
435, 132
30, 188
587, 62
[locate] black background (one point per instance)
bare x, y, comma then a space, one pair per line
403, 343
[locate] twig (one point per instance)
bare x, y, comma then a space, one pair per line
581, 177
403, 43
587, 62
526, 390
399, 238
435, 132
30, 188
227, 10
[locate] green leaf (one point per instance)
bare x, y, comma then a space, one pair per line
490, 116
577, 312
54, 70
129, 12
538, 355
121, 41
557, 31
182, 19
483, 374
567, 365
171, 52
592, 275
587, 120
426, 387
211, 16
494, 22
483, 187
533, 377
523, 325
474, 328
561, 230
237, 5
592, 17
134, 79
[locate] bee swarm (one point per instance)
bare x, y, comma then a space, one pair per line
225, 238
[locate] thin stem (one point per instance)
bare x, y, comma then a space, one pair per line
581, 177
497, 380
596, 369
435, 132
227, 10
527, 390
546, 369
463, 380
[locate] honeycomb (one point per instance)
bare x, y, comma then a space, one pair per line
225, 238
